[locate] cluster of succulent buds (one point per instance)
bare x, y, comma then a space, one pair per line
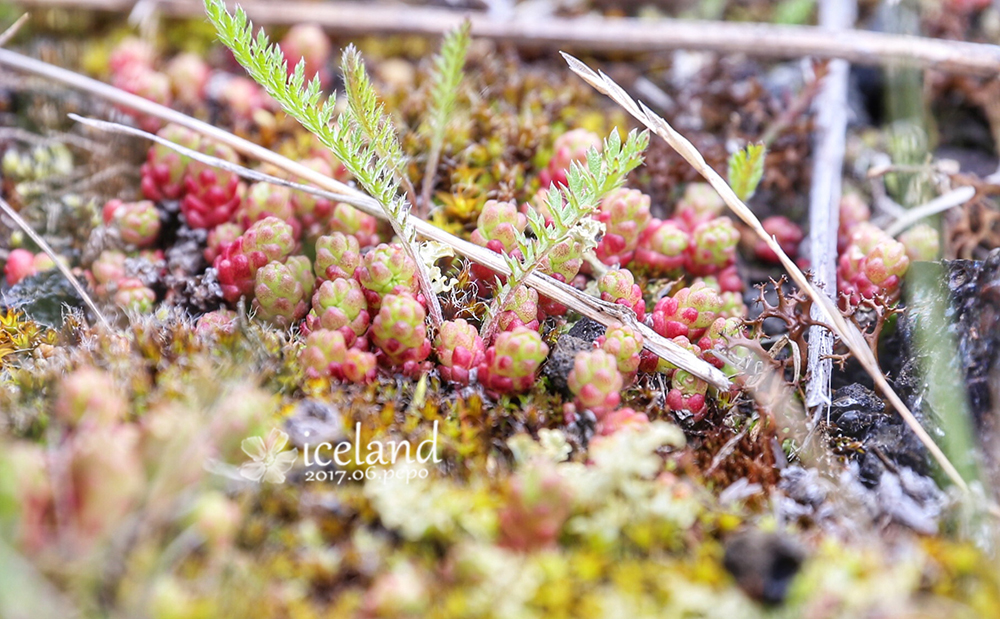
569, 147
459, 350
619, 419
307, 43
510, 364
212, 196
595, 381
687, 393
400, 332
268, 240
387, 270
625, 214
537, 505
326, 354
22, 263
137, 223
522, 310
922, 242
339, 305
786, 232
624, 344
497, 229
163, 174
688, 312
278, 294
872, 264
618, 286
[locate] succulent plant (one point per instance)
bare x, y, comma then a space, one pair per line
786, 232
267, 200
624, 344
337, 256
220, 236
400, 332
278, 295
459, 350
20, 264
138, 223
241, 97
164, 171
521, 311
511, 363
662, 246
699, 203
498, 226
537, 505
688, 312
618, 286
89, 394
718, 336
107, 270
143, 81
312, 210
133, 295
625, 214
596, 381
618, 419
569, 147
712, 247
302, 268
867, 236
349, 220
188, 75
922, 242
339, 305
219, 322
212, 194
387, 270
853, 211
563, 263
687, 393
268, 240
105, 472
886, 264
307, 43
326, 355
131, 52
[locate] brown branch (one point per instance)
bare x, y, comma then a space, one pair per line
590, 34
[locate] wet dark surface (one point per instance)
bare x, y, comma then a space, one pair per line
42, 297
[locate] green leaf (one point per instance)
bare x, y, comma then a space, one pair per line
746, 168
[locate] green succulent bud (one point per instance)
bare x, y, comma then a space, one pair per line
500, 222
278, 295
596, 381
337, 256
511, 363
399, 330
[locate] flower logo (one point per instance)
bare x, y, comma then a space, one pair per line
269, 461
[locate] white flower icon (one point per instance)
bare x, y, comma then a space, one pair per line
269, 462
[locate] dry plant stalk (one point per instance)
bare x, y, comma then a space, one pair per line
847, 332
591, 307
9, 33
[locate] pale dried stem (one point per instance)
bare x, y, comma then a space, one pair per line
847, 332
824, 201
599, 34
11, 31
944, 202
593, 308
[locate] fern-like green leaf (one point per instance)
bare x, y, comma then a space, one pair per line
746, 168
446, 79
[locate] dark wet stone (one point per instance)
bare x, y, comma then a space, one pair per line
42, 297
560, 362
763, 564
856, 409
198, 294
587, 329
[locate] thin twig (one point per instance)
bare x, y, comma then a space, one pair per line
848, 332
10, 212
824, 201
596, 34
10, 32
941, 203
